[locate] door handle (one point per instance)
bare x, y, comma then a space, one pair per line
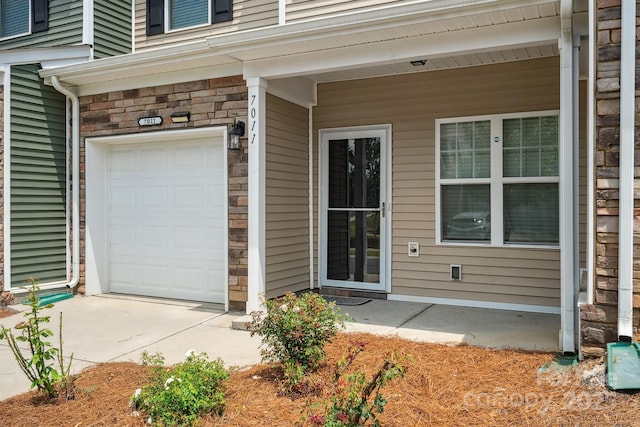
382, 209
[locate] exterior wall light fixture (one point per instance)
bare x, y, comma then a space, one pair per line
181, 117
237, 130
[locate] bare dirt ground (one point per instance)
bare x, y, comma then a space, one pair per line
443, 386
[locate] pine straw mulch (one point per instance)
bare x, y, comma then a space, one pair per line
443, 386
6, 312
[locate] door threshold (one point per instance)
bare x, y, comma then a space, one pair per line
346, 292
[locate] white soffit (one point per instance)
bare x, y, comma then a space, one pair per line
441, 63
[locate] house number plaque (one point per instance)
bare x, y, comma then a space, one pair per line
150, 121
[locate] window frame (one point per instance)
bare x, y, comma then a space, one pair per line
167, 18
496, 179
29, 19
38, 17
158, 16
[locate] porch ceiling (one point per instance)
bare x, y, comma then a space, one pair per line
439, 63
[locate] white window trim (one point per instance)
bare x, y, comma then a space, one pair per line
167, 19
28, 33
496, 180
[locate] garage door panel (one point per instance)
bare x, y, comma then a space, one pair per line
190, 157
153, 159
189, 196
189, 238
123, 272
154, 275
122, 235
154, 196
153, 237
167, 220
122, 197
122, 160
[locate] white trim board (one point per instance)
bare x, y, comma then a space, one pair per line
475, 303
7, 177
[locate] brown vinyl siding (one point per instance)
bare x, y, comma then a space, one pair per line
305, 9
247, 14
412, 103
287, 197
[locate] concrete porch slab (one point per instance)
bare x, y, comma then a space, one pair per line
486, 327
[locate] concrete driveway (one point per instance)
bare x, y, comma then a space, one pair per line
110, 328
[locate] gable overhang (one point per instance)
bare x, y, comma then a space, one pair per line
447, 33
47, 56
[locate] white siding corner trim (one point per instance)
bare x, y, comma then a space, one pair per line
7, 176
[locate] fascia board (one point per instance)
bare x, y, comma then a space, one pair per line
123, 64
79, 53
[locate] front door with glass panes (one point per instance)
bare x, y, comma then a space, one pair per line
354, 213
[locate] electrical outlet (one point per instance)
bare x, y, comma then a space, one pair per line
414, 249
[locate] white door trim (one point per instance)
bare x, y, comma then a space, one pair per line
384, 131
97, 178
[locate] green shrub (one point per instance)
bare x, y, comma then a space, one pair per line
294, 329
183, 394
39, 365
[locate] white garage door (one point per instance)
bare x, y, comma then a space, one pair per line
167, 219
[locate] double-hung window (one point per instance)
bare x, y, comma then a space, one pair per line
498, 179
23, 17
171, 15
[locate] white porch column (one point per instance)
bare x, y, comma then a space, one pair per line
567, 240
257, 191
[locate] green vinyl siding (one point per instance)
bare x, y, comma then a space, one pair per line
38, 179
112, 34
65, 28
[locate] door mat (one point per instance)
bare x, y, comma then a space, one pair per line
349, 301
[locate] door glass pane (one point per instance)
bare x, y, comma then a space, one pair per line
531, 213
466, 212
187, 13
353, 246
14, 17
354, 173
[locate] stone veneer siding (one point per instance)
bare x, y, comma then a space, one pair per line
599, 320
212, 102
